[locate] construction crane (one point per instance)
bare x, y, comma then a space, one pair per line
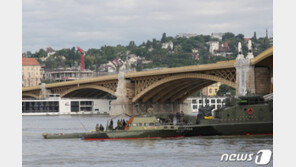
82, 57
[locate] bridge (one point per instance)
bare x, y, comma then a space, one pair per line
172, 85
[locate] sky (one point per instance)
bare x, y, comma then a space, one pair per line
95, 23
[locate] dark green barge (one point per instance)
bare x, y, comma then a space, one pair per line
138, 128
248, 115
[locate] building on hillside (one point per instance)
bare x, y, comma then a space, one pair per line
214, 46
223, 50
195, 54
194, 50
116, 64
31, 72
49, 52
186, 35
211, 90
217, 35
246, 40
217, 49
198, 102
168, 45
68, 74
112, 66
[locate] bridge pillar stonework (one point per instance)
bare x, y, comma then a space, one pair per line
263, 80
122, 104
252, 79
245, 73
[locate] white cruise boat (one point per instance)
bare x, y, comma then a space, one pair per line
54, 105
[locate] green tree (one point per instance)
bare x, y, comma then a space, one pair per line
39, 54
227, 36
240, 37
254, 38
223, 89
163, 38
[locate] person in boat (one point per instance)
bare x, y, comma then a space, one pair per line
118, 125
101, 127
123, 124
111, 125
178, 116
182, 117
97, 127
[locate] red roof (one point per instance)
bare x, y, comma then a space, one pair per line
226, 44
30, 62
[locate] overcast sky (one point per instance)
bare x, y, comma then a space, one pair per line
93, 23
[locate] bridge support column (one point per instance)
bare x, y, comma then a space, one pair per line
245, 74
122, 104
263, 80
43, 92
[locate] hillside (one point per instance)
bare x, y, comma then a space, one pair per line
166, 52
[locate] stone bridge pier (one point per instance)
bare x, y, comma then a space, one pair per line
253, 76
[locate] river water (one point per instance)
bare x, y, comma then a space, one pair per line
192, 151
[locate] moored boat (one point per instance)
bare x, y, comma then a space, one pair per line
62, 135
246, 115
138, 128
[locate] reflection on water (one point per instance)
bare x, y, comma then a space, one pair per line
193, 151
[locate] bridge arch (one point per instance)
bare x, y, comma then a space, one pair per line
84, 87
194, 78
266, 55
30, 95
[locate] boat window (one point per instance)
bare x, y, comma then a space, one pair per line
146, 124
151, 124
74, 106
134, 124
139, 124
194, 107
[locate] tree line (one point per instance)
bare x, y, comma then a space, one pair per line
180, 55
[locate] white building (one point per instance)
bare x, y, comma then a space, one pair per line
214, 46
186, 35
168, 45
194, 50
66, 74
197, 102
